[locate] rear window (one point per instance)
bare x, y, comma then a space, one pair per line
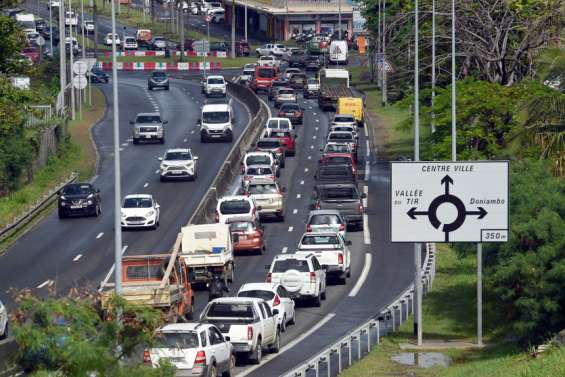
339, 193
258, 160
267, 73
338, 148
259, 171
221, 309
343, 118
338, 160
280, 134
259, 189
324, 220
215, 81
299, 265
334, 170
268, 144
147, 272
280, 123
234, 207
177, 340
286, 91
340, 136
242, 226
265, 295
319, 240
279, 83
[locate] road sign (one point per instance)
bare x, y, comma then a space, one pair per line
80, 67
201, 46
79, 82
387, 65
463, 201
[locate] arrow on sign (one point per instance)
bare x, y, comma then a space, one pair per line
413, 213
446, 181
481, 212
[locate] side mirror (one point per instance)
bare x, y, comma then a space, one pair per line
157, 206
227, 338
195, 158
275, 312
363, 196
165, 122
348, 243
160, 158
131, 122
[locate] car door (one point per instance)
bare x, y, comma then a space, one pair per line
286, 302
319, 273
270, 323
219, 347
346, 251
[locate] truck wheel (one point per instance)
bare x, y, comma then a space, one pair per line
135, 141
213, 372
231, 366
342, 280
323, 295
276, 346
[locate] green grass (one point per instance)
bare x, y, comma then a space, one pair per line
226, 62
77, 156
449, 313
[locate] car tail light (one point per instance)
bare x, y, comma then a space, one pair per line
146, 357
281, 113
249, 332
340, 258
341, 227
312, 277
318, 206
277, 300
297, 113
308, 228
269, 277
200, 358
217, 216
360, 208
279, 150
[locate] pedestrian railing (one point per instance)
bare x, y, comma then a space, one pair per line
38, 115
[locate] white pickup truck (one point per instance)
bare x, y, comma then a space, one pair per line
330, 248
207, 250
248, 323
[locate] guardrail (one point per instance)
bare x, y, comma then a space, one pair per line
357, 343
42, 203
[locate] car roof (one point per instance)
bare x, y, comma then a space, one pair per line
216, 107
336, 185
258, 153
259, 286
262, 181
173, 150
269, 139
292, 256
238, 299
319, 234
234, 197
186, 326
324, 212
148, 114
145, 196
215, 77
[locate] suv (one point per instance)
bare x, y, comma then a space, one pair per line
178, 163
312, 63
342, 197
338, 173
97, 75
301, 275
215, 85
148, 126
158, 79
242, 48
79, 199
297, 81
312, 88
285, 95
216, 122
260, 158
297, 58
267, 195
235, 207
331, 250
3, 321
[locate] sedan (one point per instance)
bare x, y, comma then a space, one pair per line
130, 43
140, 211
326, 220
97, 75
257, 171
292, 111
276, 296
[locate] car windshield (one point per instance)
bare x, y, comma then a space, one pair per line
159, 74
230, 310
177, 340
242, 226
138, 203
339, 193
319, 240
178, 156
258, 160
267, 73
159, 39
77, 190
291, 264
338, 160
269, 188
234, 207
130, 40
290, 107
313, 81
343, 118
257, 293
286, 92
253, 170
268, 144
283, 124
148, 119
324, 220
216, 117
340, 136
215, 81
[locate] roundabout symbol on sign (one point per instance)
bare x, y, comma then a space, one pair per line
462, 212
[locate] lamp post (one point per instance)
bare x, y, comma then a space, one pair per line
62, 52
246, 20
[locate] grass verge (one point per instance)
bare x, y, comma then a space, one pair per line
449, 313
76, 156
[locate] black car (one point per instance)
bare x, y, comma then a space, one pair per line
313, 63
79, 199
46, 34
97, 75
40, 24
158, 79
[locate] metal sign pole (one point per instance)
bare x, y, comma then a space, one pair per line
62, 54
433, 64
479, 294
51, 29
383, 31
71, 56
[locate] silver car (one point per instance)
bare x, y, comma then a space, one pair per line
3, 321
326, 220
285, 95
148, 127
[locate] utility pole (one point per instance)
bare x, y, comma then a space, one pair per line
433, 65
182, 36
339, 19
117, 173
246, 20
51, 30
379, 83
383, 70
82, 29
62, 51
71, 56
453, 91
233, 29
95, 19
417, 246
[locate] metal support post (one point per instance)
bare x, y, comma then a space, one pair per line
453, 89
246, 22
233, 29
339, 358
383, 70
349, 347
71, 56
479, 294
369, 339
433, 65
62, 54
359, 346
393, 319
339, 19
378, 332
51, 30
181, 36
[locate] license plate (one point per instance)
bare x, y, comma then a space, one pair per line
243, 237
215, 135
76, 207
176, 172
148, 136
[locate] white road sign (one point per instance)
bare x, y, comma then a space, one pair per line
80, 67
463, 201
79, 82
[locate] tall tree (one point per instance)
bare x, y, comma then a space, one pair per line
11, 44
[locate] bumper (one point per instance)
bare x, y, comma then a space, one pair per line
216, 134
154, 84
194, 372
311, 93
131, 224
245, 245
266, 210
148, 136
242, 347
177, 174
68, 210
334, 269
217, 92
353, 219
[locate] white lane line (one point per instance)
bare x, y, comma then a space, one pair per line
367, 171
185, 140
298, 196
314, 137
129, 140
157, 171
43, 284
366, 199
305, 170
99, 235
145, 185
290, 228
124, 144
284, 249
301, 182
368, 148
121, 149
314, 113
192, 132
103, 283
295, 211
311, 147
366, 132
290, 345
316, 128
366, 232
77, 257
310, 107
309, 157
362, 277
317, 120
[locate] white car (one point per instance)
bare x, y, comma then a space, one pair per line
277, 123
217, 15
301, 274
331, 250
260, 158
326, 220
140, 211
276, 296
344, 128
248, 72
270, 61
270, 49
130, 43
278, 50
108, 39
3, 321
71, 18
215, 86
234, 207
178, 163
87, 26
194, 349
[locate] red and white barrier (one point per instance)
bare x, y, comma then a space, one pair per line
220, 54
161, 66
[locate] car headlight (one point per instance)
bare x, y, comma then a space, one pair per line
90, 196
164, 166
63, 204
89, 202
63, 197
136, 131
123, 215
150, 213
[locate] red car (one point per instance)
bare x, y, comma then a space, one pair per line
242, 48
339, 159
287, 139
32, 53
247, 234
264, 76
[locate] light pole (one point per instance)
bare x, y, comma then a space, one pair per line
433, 65
232, 29
417, 246
71, 56
383, 45
51, 29
117, 173
82, 28
245, 20
182, 34
339, 19
62, 52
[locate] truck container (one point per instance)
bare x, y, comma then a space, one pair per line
334, 84
352, 106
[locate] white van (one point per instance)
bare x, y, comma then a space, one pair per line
216, 122
27, 22
339, 52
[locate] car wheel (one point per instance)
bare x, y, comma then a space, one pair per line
150, 88
283, 164
5, 335
167, 87
257, 354
360, 226
317, 301
293, 319
212, 372
348, 273
162, 141
229, 138
342, 280
281, 217
276, 346
283, 324
98, 210
323, 295
61, 214
203, 139
231, 367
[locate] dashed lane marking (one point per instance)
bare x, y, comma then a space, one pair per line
305, 170
309, 157
368, 148
298, 196
284, 250
366, 232
301, 182
46, 282
366, 199
314, 137
366, 132
124, 144
157, 171
77, 257
295, 211
99, 235
367, 171
290, 228
145, 185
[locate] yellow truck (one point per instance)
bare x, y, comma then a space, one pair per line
353, 106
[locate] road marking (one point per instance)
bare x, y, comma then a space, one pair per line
310, 107
192, 132
290, 345
366, 132
46, 282
157, 171
103, 283
295, 211
121, 149
186, 140
368, 148
145, 185
305, 170
362, 277
309, 157
366, 232
314, 137
124, 144
311, 147
314, 113
284, 249
298, 196
366, 199
301, 182
290, 228
316, 128
367, 171
77, 257
317, 120
99, 235
129, 140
